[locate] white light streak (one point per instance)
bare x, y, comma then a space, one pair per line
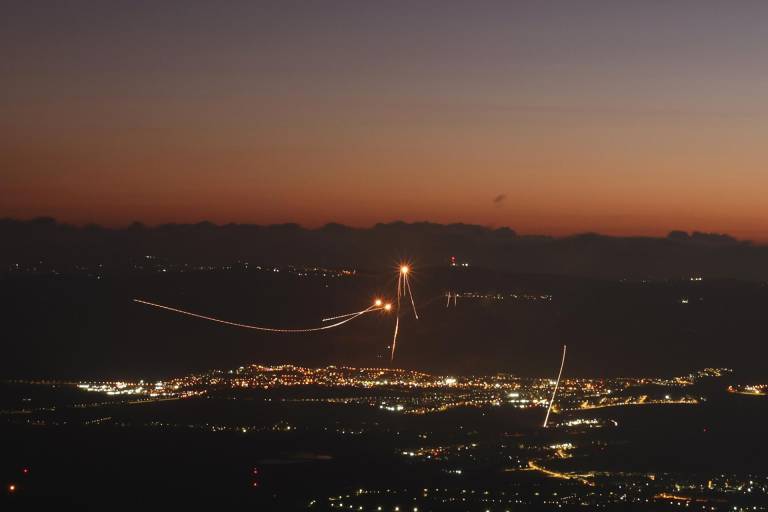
557, 383
256, 327
366, 310
394, 339
410, 294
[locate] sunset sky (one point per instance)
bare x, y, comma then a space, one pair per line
547, 117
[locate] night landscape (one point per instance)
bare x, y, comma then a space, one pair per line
384, 256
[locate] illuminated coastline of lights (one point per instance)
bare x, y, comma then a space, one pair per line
416, 392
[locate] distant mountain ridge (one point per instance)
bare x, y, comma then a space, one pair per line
680, 254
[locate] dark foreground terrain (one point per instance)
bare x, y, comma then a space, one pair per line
296, 448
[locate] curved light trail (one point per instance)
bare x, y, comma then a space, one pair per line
394, 339
378, 305
557, 384
403, 286
355, 313
400, 292
259, 328
403, 289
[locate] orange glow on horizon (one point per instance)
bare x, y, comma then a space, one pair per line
631, 147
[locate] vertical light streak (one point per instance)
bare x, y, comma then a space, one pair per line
402, 284
557, 384
410, 294
394, 339
397, 315
448, 303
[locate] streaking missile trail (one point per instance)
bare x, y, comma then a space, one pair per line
557, 383
378, 305
397, 311
410, 294
338, 317
402, 286
394, 339
260, 328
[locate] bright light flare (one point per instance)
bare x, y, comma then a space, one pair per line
387, 307
403, 289
378, 302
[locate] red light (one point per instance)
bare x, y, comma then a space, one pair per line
25, 470
255, 484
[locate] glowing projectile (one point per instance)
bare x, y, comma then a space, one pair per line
403, 287
557, 383
403, 271
260, 328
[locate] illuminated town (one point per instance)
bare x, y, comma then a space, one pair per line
531, 466
384, 256
411, 392
749, 389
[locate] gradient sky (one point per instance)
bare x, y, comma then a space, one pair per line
617, 117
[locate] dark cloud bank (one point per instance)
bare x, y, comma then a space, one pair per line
679, 254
